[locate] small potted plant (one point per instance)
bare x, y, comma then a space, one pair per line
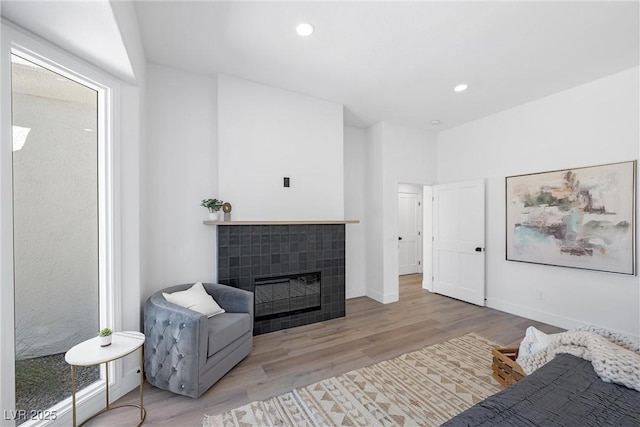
214, 206
105, 337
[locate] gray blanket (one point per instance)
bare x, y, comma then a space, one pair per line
614, 363
564, 392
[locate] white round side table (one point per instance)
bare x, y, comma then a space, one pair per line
90, 353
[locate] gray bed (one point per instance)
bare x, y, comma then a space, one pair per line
564, 392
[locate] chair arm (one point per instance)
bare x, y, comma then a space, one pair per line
175, 347
233, 300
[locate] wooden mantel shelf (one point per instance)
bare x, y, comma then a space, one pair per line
285, 222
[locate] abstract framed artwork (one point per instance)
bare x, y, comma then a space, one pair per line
581, 218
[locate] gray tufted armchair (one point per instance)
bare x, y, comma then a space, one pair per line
185, 352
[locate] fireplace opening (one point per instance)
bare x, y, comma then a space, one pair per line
286, 295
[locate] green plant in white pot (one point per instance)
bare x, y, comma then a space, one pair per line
214, 206
105, 337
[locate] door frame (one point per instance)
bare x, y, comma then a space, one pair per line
417, 190
427, 238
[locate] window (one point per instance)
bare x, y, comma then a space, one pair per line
55, 232
57, 224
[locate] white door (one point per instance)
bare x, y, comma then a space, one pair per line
409, 233
458, 241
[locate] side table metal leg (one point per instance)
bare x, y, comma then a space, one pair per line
142, 411
106, 365
73, 393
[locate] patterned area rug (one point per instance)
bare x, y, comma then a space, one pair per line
426, 388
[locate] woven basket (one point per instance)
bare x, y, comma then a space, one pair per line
505, 369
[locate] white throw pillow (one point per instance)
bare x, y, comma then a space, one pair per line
534, 341
196, 299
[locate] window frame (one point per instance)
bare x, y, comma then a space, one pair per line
18, 41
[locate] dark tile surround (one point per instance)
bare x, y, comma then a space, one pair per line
249, 252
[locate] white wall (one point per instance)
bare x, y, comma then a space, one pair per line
266, 134
399, 155
374, 172
404, 187
591, 124
129, 143
355, 140
180, 171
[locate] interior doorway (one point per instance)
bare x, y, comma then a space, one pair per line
409, 229
458, 241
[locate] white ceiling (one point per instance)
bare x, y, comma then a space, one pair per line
399, 61
395, 61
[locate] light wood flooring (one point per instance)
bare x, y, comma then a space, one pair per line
370, 332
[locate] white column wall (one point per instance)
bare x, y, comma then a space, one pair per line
592, 124
398, 154
355, 140
130, 116
374, 203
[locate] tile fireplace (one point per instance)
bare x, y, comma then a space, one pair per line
296, 271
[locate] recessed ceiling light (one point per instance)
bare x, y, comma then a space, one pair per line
461, 87
435, 122
303, 29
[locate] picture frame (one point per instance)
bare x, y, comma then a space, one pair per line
580, 217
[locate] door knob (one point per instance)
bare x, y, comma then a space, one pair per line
478, 249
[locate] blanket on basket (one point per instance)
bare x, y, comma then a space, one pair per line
615, 358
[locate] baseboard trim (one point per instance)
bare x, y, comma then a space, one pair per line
130, 381
533, 314
383, 298
546, 317
355, 293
